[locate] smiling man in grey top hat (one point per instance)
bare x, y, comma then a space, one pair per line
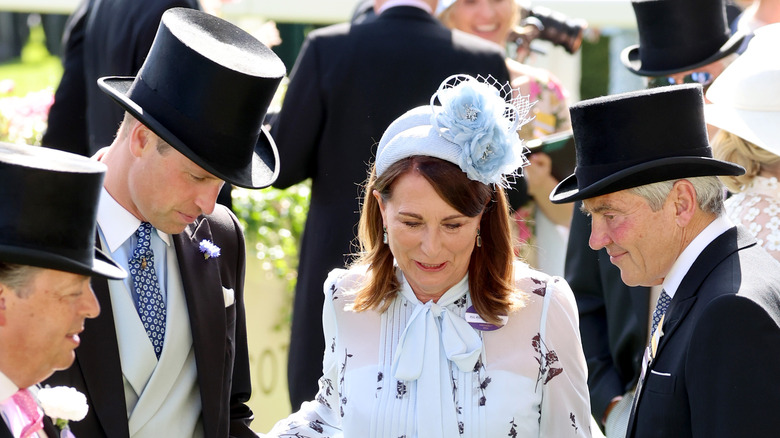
169, 352
646, 177
48, 204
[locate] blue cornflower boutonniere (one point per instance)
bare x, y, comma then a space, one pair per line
209, 249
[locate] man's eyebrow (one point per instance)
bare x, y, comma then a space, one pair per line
598, 209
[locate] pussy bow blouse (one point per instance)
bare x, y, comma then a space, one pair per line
421, 370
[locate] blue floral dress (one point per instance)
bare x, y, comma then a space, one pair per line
421, 370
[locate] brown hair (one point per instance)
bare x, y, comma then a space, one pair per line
490, 268
731, 147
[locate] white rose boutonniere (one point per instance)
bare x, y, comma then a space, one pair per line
63, 404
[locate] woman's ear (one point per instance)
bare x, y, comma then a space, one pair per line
379, 201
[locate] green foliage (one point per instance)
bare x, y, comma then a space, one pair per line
35, 70
595, 68
27, 90
273, 222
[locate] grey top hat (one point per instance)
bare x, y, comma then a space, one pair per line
48, 210
205, 88
642, 137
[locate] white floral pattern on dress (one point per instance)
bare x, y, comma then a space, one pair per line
758, 209
501, 396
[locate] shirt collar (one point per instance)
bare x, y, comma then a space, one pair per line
689, 255
117, 224
415, 3
7, 388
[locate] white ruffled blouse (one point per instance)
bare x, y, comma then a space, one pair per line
421, 370
758, 209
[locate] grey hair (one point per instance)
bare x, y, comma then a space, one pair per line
17, 277
709, 193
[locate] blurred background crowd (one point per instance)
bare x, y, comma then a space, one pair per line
557, 52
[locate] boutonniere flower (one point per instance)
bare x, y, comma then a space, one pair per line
63, 404
209, 249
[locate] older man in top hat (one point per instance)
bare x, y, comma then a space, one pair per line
48, 205
646, 176
680, 41
168, 355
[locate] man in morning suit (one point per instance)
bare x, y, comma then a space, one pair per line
48, 207
348, 84
168, 355
102, 38
646, 176
614, 318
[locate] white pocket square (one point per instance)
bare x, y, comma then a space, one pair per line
229, 296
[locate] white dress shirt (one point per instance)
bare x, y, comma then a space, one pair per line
689, 255
117, 230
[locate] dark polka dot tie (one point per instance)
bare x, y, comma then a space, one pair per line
149, 300
660, 308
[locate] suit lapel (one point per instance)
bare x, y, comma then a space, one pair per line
714, 253
98, 357
732, 240
203, 292
4, 432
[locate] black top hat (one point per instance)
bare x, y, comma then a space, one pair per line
204, 88
48, 209
679, 35
642, 137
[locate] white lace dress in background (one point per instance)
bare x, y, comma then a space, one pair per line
758, 209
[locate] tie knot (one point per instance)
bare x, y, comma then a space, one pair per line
663, 301
29, 408
26, 403
144, 235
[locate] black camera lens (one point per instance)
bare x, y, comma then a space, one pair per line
557, 28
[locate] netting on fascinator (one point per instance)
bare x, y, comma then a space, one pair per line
474, 125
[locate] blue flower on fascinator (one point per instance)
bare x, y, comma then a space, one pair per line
483, 120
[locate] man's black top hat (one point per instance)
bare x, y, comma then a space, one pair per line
641, 137
205, 88
48, 209
679, 35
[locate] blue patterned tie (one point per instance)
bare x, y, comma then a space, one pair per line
149, 300
660, 308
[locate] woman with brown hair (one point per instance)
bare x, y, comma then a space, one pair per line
436, 330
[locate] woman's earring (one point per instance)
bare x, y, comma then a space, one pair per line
479, 239
384, 235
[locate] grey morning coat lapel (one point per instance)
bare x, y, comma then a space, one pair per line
205, 302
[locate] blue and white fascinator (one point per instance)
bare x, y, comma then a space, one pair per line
474, 125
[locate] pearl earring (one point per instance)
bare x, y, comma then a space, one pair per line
384, 235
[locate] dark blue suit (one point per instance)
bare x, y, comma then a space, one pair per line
715, 372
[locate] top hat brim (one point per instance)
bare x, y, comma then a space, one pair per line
632, 61
664, 169
262, 170
102, 265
